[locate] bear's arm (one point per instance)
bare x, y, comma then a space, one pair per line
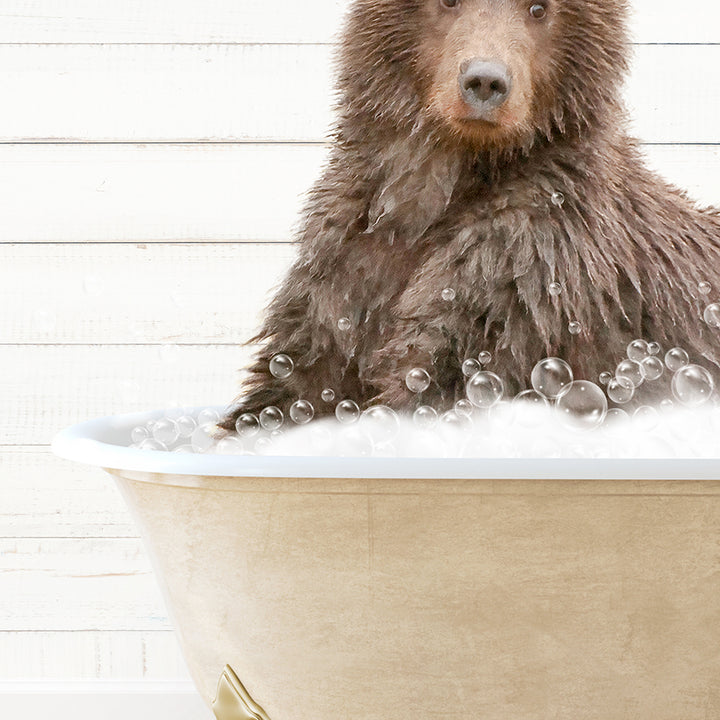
302, 319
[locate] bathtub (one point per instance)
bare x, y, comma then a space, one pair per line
412, 589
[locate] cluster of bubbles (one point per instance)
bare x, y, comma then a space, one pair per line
179, 430
553, 417
691, 384
711, 313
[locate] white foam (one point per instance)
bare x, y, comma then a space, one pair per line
506, 430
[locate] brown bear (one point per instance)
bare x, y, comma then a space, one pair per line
482, 194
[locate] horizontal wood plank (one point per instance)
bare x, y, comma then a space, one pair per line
165, 92
158, 93
83, 193
48, 387
169, 21
658, 21
137, 293
683, 115
42, 496
78, 584
91, 654
136, 193
173, 21
109, 700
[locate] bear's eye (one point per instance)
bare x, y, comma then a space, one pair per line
538, 11
450, 3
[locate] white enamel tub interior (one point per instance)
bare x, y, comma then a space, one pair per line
408, 589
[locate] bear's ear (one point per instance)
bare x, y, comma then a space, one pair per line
415, 191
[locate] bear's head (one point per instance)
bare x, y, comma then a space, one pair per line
485, 73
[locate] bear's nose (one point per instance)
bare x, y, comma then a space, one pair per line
484, 84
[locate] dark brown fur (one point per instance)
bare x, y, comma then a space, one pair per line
414, 200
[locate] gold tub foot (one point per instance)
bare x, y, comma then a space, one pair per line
233, 702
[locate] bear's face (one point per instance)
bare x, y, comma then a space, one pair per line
485, 65
484, 73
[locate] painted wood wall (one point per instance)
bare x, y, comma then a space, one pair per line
150, 175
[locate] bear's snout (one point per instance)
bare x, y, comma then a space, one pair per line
484, 85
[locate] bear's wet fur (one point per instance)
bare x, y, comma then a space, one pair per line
419, 195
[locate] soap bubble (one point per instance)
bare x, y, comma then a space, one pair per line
652, 367
165, 431
425, 417
417, 380
301, 412
551, 377
484, 389
557, 198
704, 288
470, 367
186, 424
208, 415
152, 444
262, 446
620, 390
202, 439
139, 433
630, 370
616, 419
529, 398
347, 411
463, 407
645, 418
281, 366
555, 289
605, 377
583, 405
247, 425
530, 407
638, 350
448, 294
712, 315
451, 419
184, 449
271, 418
675, 358
654, 348
380, 422
692, 385
574, 327
328, 395
484, 357
344, 324
229, 445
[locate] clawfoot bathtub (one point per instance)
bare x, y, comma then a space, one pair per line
413, 589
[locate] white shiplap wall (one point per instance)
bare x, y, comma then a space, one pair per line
150, 175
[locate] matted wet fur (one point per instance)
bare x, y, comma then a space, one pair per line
418, 196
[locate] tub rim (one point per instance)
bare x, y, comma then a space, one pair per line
90, 443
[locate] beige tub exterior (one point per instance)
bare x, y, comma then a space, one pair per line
412, 599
